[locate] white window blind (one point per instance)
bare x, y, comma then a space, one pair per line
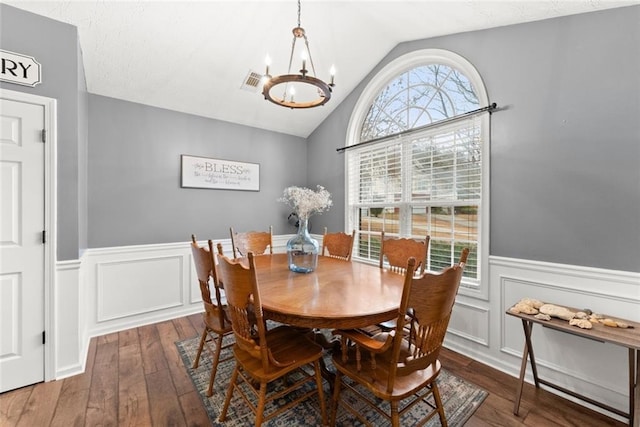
423, 182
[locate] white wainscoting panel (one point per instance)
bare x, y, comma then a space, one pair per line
139, 286
597, 370
136, 285
470, 322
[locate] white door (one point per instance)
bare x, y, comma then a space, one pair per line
22, 252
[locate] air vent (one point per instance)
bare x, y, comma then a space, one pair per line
252, 81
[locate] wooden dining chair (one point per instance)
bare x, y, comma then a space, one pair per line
395, 252
257, 242
215, 317
263, 356
407, 365
338, 245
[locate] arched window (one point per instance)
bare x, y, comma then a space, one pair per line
420, 96
419, 167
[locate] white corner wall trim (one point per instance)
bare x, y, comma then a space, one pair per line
67, 326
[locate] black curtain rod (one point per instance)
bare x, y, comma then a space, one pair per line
489, 108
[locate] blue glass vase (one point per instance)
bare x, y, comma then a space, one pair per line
302, 250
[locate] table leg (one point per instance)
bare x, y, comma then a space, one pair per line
523, 367
634, 388
326, 343
527, 336
329, 346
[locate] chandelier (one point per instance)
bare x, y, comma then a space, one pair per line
298, 90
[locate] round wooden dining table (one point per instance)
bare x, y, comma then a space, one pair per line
338, 294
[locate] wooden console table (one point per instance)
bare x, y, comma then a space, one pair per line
628, 338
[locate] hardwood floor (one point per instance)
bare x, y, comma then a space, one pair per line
136, 378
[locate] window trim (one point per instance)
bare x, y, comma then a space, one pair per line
479, 289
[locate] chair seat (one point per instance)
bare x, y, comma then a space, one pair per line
288, 346
212, 321
371, 342
390, 325
404, 386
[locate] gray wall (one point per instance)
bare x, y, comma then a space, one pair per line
55, 46
565, 151
134, 175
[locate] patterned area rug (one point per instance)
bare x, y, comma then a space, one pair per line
460, 398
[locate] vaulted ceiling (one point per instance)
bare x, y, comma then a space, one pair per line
194, 56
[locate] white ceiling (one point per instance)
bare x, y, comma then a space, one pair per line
193, 56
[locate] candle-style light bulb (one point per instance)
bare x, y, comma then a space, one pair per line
267, 62
332, 72
304, 56
292, 92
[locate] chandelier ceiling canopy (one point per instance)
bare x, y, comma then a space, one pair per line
303, 90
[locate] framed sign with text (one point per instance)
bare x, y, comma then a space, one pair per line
205, 172
19, 69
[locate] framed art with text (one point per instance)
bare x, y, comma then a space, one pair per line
205, 172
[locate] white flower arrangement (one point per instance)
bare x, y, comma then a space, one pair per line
305, 201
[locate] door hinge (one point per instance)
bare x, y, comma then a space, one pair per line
44, 236
44, 135
44, 338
